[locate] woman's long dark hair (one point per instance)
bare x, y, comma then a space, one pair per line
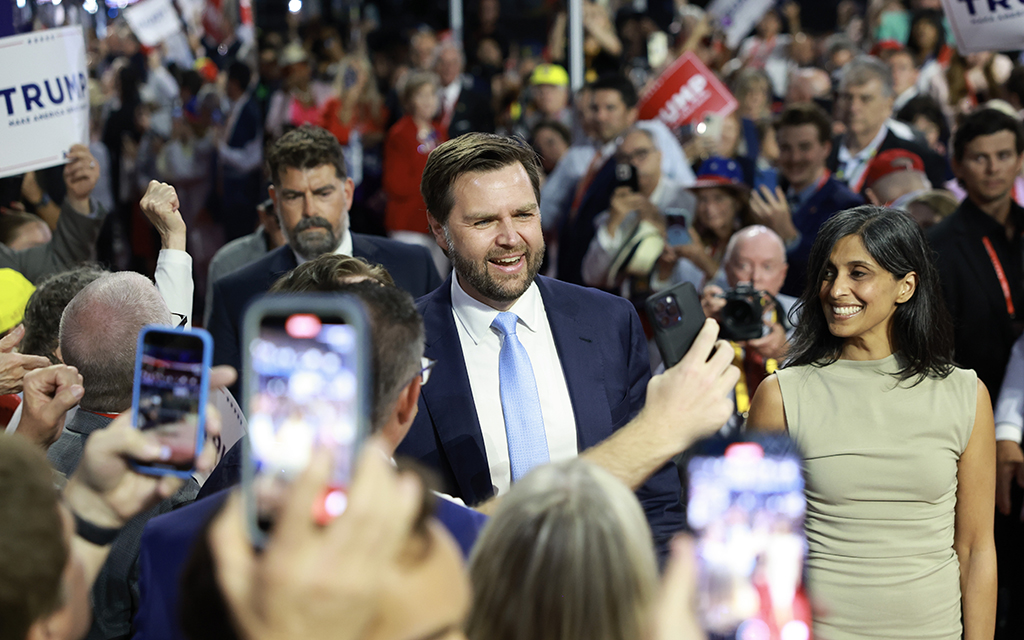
922, 331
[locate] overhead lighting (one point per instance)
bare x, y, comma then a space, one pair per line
295, 6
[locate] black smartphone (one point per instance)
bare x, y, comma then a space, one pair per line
746, 507
306, 374
172, 368
676, 316
625, 176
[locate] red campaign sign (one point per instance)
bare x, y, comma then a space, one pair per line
685, 93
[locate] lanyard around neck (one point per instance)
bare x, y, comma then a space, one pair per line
1004, 283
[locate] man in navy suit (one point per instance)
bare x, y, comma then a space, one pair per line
587, 361
807, 194
240, 156
312, 196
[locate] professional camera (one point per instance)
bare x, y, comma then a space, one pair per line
742, 317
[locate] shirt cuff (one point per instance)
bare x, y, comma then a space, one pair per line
1009, 431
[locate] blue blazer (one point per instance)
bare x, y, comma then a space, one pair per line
167, 544
411, 267
606, 364
830, 199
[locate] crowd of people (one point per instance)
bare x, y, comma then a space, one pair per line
502, 233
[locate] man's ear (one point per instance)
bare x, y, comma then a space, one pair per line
437, 229
402, 415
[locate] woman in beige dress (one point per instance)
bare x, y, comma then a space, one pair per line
898, 443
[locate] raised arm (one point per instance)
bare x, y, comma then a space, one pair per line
972, 534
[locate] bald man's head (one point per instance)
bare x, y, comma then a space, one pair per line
756, 255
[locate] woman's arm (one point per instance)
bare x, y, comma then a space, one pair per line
972, 538
766, 410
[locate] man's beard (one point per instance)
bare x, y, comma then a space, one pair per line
479, 276
314, 245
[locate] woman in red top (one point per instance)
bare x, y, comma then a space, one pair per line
405, 155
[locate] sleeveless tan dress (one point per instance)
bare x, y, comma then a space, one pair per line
880, 460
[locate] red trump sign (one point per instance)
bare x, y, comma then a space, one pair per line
685, 93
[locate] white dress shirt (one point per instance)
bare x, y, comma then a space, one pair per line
853, 165
480, 348
1009, 414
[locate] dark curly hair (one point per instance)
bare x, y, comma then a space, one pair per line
44, 308
306, 147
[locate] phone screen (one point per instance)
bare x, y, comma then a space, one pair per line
170, 392
677, 234
747, 509
304, 396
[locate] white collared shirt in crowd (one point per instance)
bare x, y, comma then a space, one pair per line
854, 165
480, 348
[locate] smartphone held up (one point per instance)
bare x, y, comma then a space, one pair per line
305, 388
172, 369
746, 508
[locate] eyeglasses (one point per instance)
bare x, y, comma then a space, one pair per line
636, 157
427, 365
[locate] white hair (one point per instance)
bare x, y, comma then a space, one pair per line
749, 233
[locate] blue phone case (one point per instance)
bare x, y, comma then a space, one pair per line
204, 388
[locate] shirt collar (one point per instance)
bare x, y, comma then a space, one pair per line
476, 317
801, 197
344, 248
866, 152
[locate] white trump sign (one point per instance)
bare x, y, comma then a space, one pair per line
44, 98
738, 17
986, 25
153, 21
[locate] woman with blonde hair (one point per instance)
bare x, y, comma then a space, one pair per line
567, 555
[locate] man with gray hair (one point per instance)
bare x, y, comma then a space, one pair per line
464, 108
98, 335
99, 330
864, 105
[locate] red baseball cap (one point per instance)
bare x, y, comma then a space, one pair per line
891, 161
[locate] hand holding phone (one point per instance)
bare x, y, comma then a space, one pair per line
172, 367
677, 318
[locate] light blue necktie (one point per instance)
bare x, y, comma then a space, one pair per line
520, 402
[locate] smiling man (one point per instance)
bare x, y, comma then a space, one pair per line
531, 369
808, 195
312, 196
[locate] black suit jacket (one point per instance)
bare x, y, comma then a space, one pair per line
604, 358
411, 267
577, 231
934, 164
983, 330
472, 111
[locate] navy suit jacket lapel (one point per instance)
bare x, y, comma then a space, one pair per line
579, 352
363, 248
450, 401
282, 262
